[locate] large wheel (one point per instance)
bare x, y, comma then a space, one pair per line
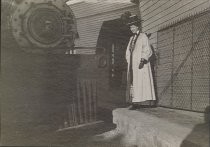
43, 25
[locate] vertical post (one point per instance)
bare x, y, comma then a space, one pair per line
90, 100
75, 114
172, 69
70, 115
95, 99
84, 99
79, 103
156, 72
192, 64
112, 64
72, 112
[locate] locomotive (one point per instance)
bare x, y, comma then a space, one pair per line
45, 58
43, 26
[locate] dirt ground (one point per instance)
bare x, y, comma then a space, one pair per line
40, 134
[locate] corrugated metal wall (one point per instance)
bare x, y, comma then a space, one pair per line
190, 89
91, 15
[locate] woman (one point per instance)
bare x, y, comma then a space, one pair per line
140, 87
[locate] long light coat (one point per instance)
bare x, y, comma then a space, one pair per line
143, 86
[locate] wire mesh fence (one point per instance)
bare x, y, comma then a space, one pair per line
183, 72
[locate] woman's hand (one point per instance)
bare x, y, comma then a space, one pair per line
142, 62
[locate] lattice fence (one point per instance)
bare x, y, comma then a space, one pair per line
183, 70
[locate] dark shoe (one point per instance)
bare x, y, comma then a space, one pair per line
134, 107
149, 106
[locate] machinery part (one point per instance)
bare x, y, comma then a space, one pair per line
102, 63
102, 59
6, 10
43, 25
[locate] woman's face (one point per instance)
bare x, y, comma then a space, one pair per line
134, 29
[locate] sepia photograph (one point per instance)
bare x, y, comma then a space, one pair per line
105, 73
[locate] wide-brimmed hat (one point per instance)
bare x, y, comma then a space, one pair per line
129, 19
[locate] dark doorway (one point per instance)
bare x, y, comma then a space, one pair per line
114, 36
